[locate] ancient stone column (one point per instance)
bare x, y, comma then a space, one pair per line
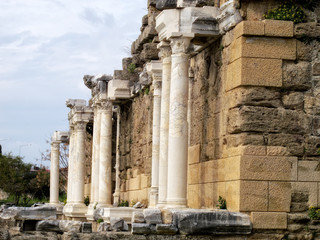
70, 163
54, 172
116, 195
154, 68
79, 164
178, 124
165, 53
105, 161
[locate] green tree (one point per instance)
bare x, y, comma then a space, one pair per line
16, 178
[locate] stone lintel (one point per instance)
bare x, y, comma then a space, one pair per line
119, 89
188, 22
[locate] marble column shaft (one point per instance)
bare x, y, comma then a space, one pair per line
95, 157
105, 161
178, 124
70, 164
54, 172
116, 195
155, 141
165, 52
79, 163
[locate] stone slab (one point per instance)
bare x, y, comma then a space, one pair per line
254, 72
121, 212
279, 196
152, 216
118, 89
309, 171
30, 213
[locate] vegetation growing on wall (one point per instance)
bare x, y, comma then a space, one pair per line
288, 11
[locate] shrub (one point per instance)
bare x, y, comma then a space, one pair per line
287, 11
314, 213
222, 204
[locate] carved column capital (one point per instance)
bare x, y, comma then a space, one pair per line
180, 44
105, 106
80, 126
165, 50
55, 145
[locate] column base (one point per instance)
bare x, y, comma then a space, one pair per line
90, 213
161, 205
176, 203
153, 198
75, 210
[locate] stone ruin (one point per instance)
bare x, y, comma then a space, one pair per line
215, 102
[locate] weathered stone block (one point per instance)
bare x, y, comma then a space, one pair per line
152, 216
254, 72
293, 100
279, 196
316, 69
164, 4
194, 196
297, 76
167, 229
244, 28
293, 142
311, 29
277, 28
209, 222
271, 168
150, 52
145, 181
166, 216
68, 226
262, 47
137, 217
209, 171
260, 119
254, 96
308, 188
48, 226
134, 183
194, 174
103, 227
194, 154
140, 228
304, 51
86, 227
269, 220
116, 223
30, 213
309, 171
253, 196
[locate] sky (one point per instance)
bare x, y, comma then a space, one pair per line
46, 47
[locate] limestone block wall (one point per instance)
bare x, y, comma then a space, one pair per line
254, 131
136, 148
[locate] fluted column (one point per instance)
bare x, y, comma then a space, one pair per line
116, 195
105, 161
165, 53
178, 125
54, 172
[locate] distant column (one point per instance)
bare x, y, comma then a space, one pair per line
165, 53
178, 124
54, 172
70, 163
105, 161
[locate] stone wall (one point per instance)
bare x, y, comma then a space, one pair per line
253, 121
135, 148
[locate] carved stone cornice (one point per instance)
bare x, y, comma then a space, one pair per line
97, 83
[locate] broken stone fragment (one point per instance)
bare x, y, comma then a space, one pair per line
116, 223
70, 226
48, 226
152, 216
104, 227
86, 227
